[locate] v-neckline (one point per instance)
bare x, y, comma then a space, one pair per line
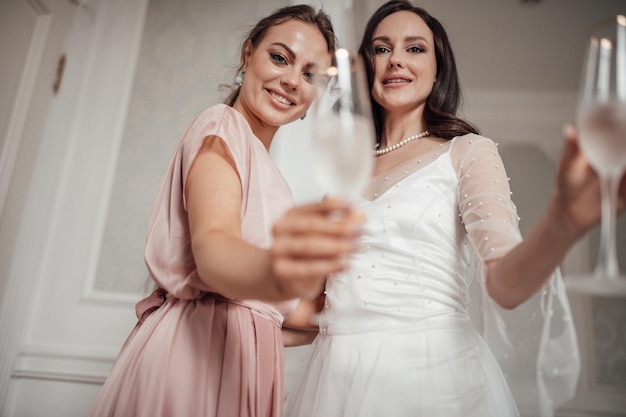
379, 184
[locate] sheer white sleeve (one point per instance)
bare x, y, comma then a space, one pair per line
487, 211
534, 343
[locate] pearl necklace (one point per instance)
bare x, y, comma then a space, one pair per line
400, 144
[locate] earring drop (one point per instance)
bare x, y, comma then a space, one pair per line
303, 116
239, 78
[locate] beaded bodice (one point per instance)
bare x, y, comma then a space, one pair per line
417, 259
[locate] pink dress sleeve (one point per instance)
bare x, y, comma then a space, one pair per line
535, 343
265, 197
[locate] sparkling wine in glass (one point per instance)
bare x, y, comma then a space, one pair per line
343, 152
343, 128
602, 126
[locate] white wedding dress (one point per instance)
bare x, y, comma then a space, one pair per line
409, 329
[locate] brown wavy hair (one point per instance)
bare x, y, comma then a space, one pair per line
301, 12
443, 103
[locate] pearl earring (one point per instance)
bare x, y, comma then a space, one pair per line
239, 78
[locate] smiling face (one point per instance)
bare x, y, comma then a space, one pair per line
279, 73
405, 64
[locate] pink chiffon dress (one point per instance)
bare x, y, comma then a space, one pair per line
193, 352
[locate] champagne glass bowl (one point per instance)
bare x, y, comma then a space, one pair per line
343, 128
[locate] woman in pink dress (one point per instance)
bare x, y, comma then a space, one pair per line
227, 250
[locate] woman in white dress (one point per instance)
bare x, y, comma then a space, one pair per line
445, 311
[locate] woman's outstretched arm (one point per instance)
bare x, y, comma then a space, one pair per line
307, 243
574, 207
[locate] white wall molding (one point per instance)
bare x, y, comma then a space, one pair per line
93, 297
66, 293
19, 113
64, 363
114, 73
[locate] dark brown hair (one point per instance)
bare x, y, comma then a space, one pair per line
443, 103
303, 13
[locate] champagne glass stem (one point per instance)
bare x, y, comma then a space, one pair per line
607, 266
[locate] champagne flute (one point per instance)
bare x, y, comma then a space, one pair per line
602, 125
343, 128
343, 140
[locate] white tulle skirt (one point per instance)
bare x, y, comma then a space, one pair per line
443, 370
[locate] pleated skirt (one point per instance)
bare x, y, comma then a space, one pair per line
197, 358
